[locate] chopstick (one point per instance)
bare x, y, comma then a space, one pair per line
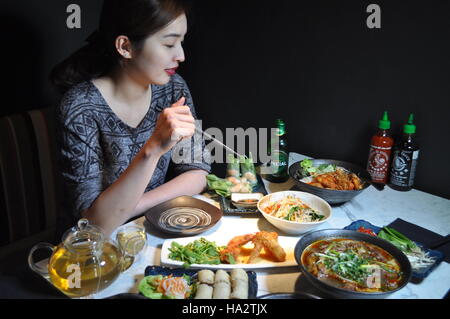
209, 137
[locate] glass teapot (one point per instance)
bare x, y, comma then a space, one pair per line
84, 263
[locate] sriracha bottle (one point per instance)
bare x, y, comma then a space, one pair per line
380, 152
405, 158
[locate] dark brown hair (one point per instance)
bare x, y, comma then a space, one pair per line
137, 19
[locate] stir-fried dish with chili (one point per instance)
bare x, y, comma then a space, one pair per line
329, 176
353, 265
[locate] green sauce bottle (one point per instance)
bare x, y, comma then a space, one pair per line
406, 155
279, 154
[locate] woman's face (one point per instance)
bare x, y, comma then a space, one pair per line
161, 54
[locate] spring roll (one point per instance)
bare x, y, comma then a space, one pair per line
204, 291
206, 276
221, 290
222, 276
239, 284
222, 285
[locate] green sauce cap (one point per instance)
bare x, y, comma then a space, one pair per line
410, 128
384, 124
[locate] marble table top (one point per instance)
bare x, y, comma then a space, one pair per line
377, 207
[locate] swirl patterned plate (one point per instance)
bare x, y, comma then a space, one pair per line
184, 215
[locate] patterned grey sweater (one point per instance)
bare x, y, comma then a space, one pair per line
95, 146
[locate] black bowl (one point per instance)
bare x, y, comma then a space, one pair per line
336, 292
289, 295
330, 195
127, 296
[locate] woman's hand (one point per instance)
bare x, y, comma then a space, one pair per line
174, 124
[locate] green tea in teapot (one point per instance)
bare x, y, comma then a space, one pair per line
81, 274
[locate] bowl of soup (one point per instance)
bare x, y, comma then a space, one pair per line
350, 264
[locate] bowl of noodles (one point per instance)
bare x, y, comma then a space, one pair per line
294, 212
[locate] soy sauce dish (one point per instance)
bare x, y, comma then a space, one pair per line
350, 264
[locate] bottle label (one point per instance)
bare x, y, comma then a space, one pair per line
404, 168
279, 163
378, 163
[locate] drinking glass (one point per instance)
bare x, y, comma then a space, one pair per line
132, 240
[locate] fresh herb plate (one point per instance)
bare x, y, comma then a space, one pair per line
417, 274
288, 244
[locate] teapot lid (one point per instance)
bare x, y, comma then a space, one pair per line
83, 237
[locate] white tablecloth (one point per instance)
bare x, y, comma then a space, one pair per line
378, 207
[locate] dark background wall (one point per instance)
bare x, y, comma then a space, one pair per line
314, 64
35, 37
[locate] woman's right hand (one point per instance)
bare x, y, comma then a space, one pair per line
174, 124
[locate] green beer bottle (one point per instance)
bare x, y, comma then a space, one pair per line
279, 154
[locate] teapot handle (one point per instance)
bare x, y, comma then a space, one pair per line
43, 271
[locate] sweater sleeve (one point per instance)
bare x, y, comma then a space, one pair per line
80, 155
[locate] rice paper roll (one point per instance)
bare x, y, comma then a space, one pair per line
222, 276
238, 274
206, 276
222, 290
248, 170
222, 285
246, 187
204, 291
239, 284
233, 166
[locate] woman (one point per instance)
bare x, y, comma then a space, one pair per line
124, 111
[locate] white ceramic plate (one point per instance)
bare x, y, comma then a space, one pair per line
288, 244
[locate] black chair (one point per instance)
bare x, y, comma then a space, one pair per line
29, 184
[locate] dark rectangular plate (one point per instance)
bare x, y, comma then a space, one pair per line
420, 274
228, 208
178, 272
